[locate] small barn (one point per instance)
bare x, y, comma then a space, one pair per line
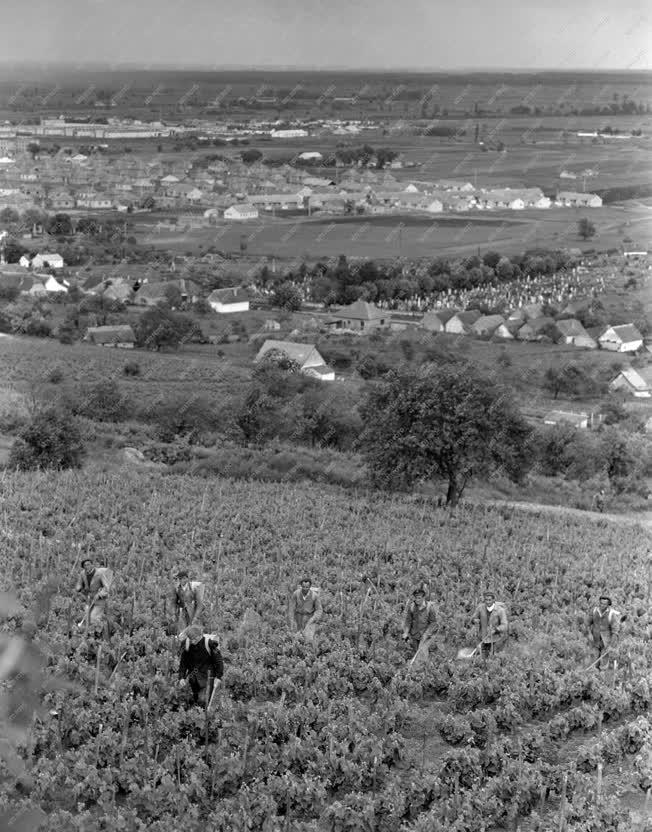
111, 336
637, 383
557, 417
436, 320
226, 301
462, 322
571, 331
487, 324
625, 338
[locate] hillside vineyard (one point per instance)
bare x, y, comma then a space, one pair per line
339, 736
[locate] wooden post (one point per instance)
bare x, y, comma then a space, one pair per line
97, 669
562, 805
599, 782
209, 686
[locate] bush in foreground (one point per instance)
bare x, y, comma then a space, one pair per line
51, 440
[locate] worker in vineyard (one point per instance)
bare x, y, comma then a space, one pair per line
95, 583
603, 623
187, 600
419, 620
490, 618
201, 665
305, 609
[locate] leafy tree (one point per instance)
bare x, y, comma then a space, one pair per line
60, 225
585, 228
160, 328
570, 380
250, 156
51, 440
14, 250
447, 422
287, 296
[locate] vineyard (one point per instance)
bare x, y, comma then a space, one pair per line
340, 735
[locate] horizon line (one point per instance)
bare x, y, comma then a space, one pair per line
205, 67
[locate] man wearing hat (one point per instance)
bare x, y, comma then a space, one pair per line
187, 599
200, 659
603, 623
419, 621
490, 617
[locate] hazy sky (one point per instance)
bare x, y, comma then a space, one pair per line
420, 34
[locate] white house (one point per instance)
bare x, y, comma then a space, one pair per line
241, 212
557, 417
636, 382
52, 285
54, 261
225, 301
571, 199
306, 355
625, 338
289, 134
310, 156
24, 261
434, 207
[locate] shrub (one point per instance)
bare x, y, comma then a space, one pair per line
51, 440
55, 376
131, 368
102, 402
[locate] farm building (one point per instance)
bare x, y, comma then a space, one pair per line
41, 261
359, 316
507, 331
570, 199
150, 294
536, 329
225, 301
241, 212
557, 417
487, 324
306, 356
53, 285
118, 290
435, 321
571, 331
637, 383
625, 338
462, 322
111, 336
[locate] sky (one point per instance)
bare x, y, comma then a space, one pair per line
356, 34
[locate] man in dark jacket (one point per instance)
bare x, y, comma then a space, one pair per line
419, 621
490, 618
200, 658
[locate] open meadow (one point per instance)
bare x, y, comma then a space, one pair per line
417, 235
342, 734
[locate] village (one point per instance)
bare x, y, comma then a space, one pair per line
189, 190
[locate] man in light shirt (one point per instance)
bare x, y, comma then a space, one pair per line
188, 599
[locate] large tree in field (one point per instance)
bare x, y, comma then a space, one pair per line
447, 422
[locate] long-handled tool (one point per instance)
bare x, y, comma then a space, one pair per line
600, 657
216, 687
423, 651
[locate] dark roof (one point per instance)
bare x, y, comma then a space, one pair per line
110, 334
627, 332
235, 294
361, 311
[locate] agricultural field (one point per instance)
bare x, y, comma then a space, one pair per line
341, 735
411, 235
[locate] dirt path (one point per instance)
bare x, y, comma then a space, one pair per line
643, 518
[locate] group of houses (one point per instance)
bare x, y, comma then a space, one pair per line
232, 190
528, 323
